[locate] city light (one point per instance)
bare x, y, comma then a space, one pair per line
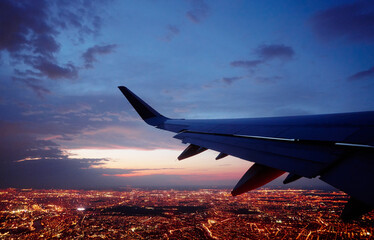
135, 213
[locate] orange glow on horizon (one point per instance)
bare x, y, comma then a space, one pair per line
138, 163
184, 175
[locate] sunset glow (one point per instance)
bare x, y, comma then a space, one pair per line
164, 162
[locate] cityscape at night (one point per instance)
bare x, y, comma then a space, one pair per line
177, 214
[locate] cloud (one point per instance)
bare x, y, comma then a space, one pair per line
51, 173
30, 34
27, 73
75, 108
48, 68
230, 80
34, 84
136, 172
198, 12
172, 31
352, 22
27, 161
223, 82
267, 52
80, 16
362, 74
100, 121
90, 55
42, 69
16, 144
23, 26
246, 63
54, 71
45, 45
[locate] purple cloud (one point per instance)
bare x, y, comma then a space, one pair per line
23, 26
362, 74
53, 173
352, 22
29, 33
246, 64
16, 143
54, 71
266, 53
70, 16
198, 12
27, 73
230, 80
223, 82
90, 55
26, 160
34, 84
45, 45
280, 51
172, 31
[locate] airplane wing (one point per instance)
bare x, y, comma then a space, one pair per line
337, 148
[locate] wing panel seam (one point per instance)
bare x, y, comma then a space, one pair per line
313, 142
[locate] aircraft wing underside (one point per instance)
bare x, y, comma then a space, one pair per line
337, 148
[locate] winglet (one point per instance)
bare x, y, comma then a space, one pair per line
146, 112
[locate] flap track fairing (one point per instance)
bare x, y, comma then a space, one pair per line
221, 155
257, 176
190, 151
291, 178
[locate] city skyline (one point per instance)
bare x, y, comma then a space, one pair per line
64, 124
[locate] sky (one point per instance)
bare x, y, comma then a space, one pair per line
65, 124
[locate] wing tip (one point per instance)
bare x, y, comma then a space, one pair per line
146, 112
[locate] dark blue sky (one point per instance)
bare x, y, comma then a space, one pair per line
65, 124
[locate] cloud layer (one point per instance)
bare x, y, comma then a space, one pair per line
350, 22
280, 51
266, 53
30, 34
90, 56
361, 75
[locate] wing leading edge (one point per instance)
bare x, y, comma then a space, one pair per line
337, 148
